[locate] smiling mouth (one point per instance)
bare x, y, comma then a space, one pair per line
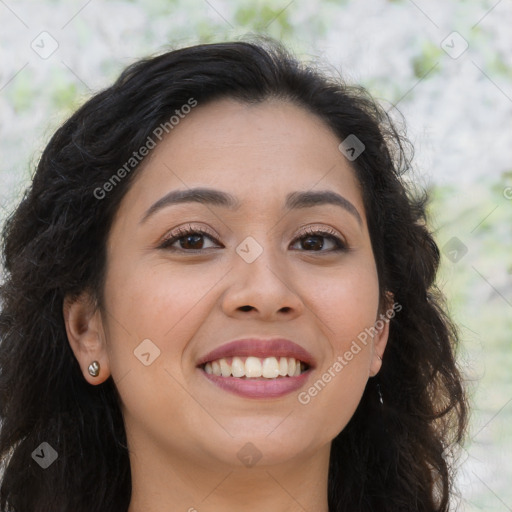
252, 367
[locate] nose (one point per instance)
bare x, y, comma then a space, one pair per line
265, 289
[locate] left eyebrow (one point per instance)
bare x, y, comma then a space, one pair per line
314, 198
294, 200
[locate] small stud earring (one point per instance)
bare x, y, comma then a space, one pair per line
94, 369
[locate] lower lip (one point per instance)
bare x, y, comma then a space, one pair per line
252, 388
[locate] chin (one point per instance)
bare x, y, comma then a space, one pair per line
264, 447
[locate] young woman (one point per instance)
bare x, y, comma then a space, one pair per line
219, 295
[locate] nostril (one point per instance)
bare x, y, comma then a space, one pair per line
246, 308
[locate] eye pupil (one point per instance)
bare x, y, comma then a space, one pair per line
317, 245
187, 238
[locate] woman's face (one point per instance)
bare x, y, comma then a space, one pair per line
174, 307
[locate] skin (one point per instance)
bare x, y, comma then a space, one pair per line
183, 432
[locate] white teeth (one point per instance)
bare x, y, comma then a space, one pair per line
254, 367
225, 369
237, 367
216, 368
283, 366
292, 364
270, 368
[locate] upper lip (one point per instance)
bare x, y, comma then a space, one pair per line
275, 347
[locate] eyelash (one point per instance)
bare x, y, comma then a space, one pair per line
341, 246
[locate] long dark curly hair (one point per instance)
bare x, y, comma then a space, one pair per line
395, 456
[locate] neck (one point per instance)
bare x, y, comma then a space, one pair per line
162, 481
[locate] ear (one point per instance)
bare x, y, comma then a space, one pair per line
381, 337
86, 336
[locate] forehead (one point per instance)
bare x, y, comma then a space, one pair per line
257, 152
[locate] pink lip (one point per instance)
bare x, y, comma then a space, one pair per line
277, 347
264, 388
259, 388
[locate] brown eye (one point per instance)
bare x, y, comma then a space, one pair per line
189, 239
312, 241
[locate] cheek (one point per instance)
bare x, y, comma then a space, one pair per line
332, 398
346, 302
349, 310
158, 303
335, 391
165, 307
